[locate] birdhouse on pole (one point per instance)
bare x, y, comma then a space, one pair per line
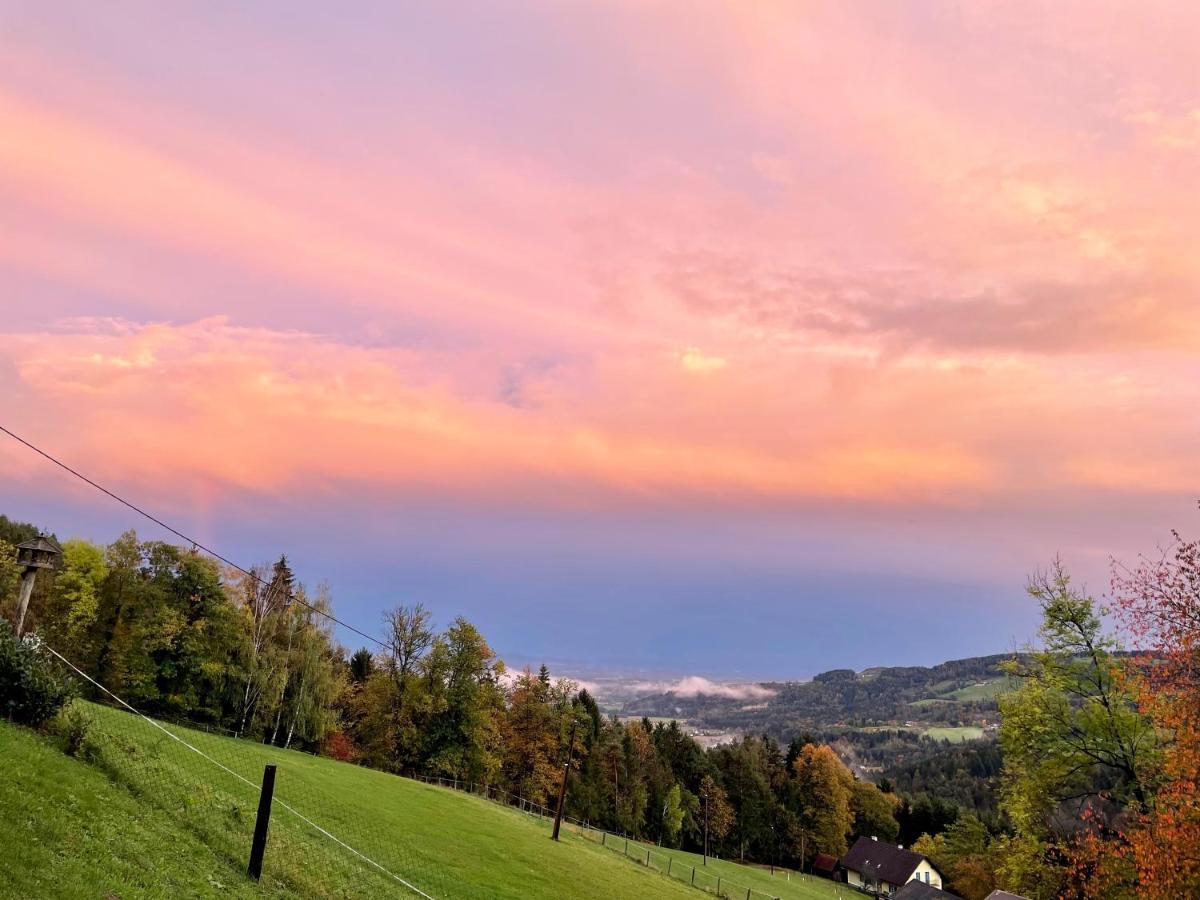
40, 553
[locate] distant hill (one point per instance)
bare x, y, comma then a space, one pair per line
960, 693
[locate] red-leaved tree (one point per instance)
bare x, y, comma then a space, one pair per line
1158, 604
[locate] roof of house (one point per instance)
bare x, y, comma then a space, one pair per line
1003, 895
919, 890
882, 861
825, 862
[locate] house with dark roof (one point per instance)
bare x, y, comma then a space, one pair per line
919, 890
1003, 895
880, 868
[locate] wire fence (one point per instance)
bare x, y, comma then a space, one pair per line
648, 855
320, 842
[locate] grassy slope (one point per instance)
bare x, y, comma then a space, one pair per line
986, 690
930, 701
70, 832
152, 819
954, 734
795, 887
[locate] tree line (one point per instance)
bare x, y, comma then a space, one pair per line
166, 629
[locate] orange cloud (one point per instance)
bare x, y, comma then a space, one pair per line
257, 410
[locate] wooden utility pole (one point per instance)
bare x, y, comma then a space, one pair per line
27, 579
706, 828
775, 849
562, 788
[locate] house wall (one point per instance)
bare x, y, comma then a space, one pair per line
919, 874
855, 879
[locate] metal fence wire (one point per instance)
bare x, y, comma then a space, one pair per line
649, 855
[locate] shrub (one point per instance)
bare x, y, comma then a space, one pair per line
338, 746
32, 686
73, 726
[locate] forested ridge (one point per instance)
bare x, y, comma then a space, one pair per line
880, 695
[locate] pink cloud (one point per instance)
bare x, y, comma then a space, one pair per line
905, 259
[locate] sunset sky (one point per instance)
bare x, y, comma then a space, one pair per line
743, 339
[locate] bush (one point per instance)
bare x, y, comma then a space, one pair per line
73, 726
32, 686
338, 746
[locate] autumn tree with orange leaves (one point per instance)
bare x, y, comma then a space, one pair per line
1158, 604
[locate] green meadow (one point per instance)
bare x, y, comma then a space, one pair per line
985, 690
953, 733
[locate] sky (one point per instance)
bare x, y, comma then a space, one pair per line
742, 340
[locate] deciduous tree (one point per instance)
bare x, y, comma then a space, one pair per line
1073, 739
717, 815
79, 583
821, 787
873, 812
1159, 604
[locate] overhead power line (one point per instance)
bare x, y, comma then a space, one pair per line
179, 534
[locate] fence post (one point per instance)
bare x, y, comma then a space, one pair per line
647, 858
670, 859
626, 846
259, 844
718, 885
604, 839
747, 893
562, 788
693, 875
